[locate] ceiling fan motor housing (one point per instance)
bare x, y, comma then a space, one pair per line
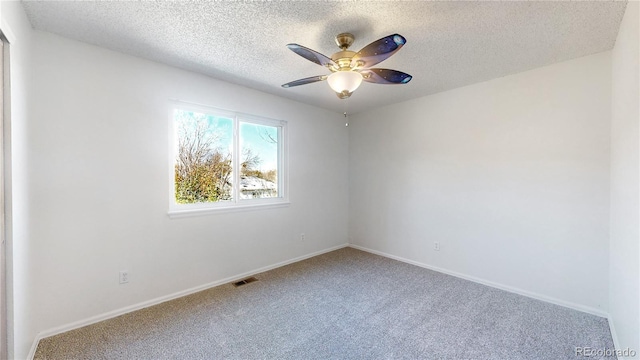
343, 59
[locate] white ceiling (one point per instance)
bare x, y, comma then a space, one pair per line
449, 44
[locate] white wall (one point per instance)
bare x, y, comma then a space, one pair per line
511, 176
98, 136
17, 28
625, 182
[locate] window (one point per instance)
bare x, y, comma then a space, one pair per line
225, 160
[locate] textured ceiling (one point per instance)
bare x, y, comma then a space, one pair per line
449, 44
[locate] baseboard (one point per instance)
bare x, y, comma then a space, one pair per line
567, 304
159, 300
34, 346
614, 335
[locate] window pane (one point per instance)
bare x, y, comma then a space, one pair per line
203, 171
259, 161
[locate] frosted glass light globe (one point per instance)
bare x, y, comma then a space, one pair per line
341, 81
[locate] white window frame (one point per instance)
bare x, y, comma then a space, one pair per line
185, 210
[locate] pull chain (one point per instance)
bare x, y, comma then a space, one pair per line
346, 117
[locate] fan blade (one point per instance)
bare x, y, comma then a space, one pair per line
378, 51
311, 55
385, 76
305, 81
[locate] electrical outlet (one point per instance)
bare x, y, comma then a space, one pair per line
124, 277
436, 246
302, 237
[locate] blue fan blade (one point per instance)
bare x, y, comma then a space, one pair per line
385, 76
311, 55
305, 81
378, 51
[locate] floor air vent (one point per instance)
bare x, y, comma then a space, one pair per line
245, 281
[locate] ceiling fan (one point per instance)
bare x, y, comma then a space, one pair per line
349, 68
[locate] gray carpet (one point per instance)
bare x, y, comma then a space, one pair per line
346, 304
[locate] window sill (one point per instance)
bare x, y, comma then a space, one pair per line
177, 214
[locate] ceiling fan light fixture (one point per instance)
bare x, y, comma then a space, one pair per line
344, 82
